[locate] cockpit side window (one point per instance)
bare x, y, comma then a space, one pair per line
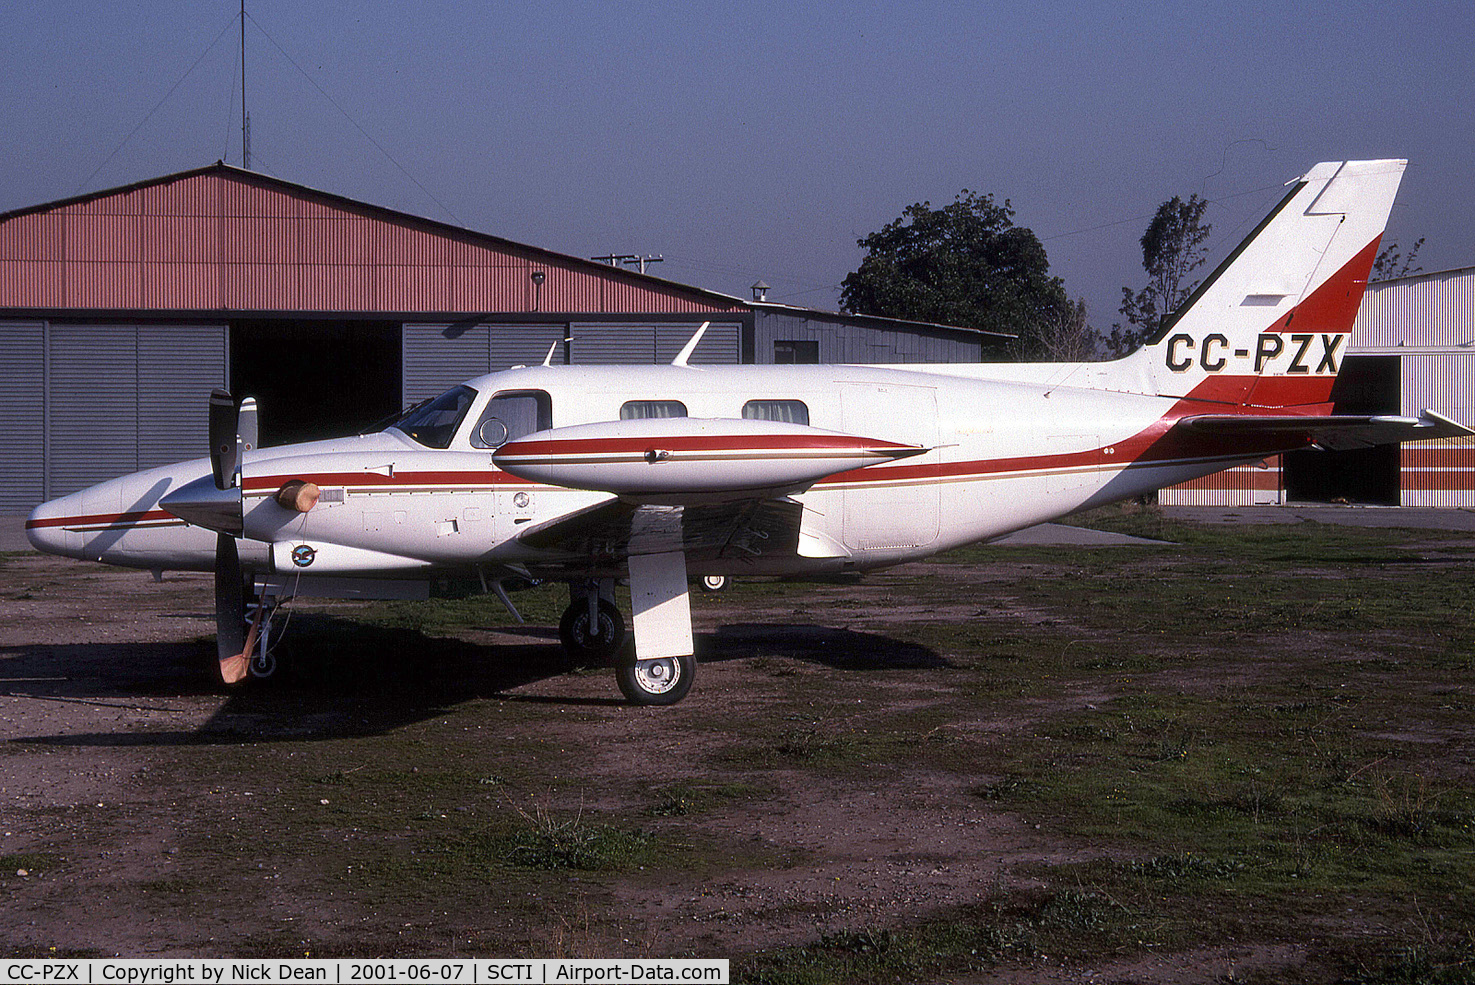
512, 415
434, 424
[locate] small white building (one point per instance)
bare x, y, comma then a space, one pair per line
1412, 348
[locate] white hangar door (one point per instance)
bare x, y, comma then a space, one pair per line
120, 398
884, 512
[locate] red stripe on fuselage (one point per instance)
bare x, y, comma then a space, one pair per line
756, 444
102, 519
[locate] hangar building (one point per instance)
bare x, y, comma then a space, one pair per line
1412, 348
121, 309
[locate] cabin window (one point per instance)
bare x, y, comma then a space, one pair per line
434, 424
790, 351
787, 411
634, 410
510, 416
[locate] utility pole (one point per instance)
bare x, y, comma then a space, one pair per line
245, 120
629, 260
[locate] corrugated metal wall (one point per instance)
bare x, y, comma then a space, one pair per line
841, 342
1245, 485
438, 356
1439, 473
524, 345
611, 343
1424, 310
221, 238
83, 403
22, 415
178, 366
92, 388
1429, 321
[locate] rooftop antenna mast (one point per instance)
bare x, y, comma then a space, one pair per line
245, 120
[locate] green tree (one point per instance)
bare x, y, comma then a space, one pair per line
1067, 337
965, 264
1172, 249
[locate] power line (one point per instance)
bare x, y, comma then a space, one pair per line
149, 115
1148, 215
366, 135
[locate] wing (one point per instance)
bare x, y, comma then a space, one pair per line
1338, 433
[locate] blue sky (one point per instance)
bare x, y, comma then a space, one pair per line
758, 140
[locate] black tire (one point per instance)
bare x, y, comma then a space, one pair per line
713, 583
597, 647
655, 682
263, 665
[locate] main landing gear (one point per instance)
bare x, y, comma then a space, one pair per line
593, 631
663, 681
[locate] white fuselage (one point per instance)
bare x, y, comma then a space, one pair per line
1002, 455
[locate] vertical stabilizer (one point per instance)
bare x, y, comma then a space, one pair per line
1269, 327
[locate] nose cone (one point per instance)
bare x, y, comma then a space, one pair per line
46, 527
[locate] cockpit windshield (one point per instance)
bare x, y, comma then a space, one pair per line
434, 424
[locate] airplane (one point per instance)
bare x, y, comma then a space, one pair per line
654, 474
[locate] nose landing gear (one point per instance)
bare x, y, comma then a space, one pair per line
592, 639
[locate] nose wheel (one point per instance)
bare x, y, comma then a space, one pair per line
592, 641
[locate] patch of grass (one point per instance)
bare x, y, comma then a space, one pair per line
1437, 962
682, 799
1012, 927
32, 863
550, 841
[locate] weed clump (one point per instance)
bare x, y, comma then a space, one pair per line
547, 841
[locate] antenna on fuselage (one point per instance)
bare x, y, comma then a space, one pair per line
554, 348
690, 346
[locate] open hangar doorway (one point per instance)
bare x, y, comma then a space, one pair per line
1370, 476
316, 379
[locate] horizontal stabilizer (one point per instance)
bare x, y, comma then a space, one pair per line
1338, 433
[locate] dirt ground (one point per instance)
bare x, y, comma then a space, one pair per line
147, 811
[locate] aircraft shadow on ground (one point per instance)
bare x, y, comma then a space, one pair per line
841, 649
339, 678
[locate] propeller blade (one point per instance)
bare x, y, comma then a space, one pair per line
225, 445
230, 610
247, 426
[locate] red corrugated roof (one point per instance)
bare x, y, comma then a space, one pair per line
220, 238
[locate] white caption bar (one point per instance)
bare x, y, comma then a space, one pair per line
352, 971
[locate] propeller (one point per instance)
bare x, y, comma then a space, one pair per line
231, 588
225, 440
232, 643
215, 502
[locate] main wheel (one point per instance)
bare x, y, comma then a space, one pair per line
713, 583
596, 644
655, 682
